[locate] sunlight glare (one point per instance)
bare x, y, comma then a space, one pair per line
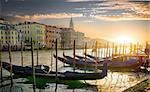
124, 39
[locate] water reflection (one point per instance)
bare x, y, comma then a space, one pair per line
114, 82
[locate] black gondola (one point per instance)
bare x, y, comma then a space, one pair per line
26, 71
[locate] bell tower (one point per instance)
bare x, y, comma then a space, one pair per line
71, 25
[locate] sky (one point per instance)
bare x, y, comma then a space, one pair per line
105, 19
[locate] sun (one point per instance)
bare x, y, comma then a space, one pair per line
124, 39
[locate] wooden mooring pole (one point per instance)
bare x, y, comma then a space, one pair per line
1, 72
85, 56
107, 49
96, 46
56, 77
37, 63
120, 50
113, 45
51, 64
74, 55
21, 54
33, 69
10, 60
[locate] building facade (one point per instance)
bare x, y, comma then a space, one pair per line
52, 33
8, 35
68, 35
34, 30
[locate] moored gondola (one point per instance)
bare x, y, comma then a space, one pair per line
27, 71
131, 65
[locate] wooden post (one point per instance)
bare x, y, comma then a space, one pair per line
116, 50
123, 48
74, 56
120, 50
51, 64
37, 63
104, 48
134, 48
137, 50
101, 51
113, 50
10, 60
85, 56
21, 54
107, 49
33, 71
130, 48
83, 50
56, 77
98, 50
63, 53
1, 75
96, 56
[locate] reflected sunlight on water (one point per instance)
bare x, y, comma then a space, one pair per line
114, 82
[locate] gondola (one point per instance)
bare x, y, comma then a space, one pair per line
27, 71
79, 62
117, 66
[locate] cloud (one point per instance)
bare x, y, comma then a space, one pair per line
82, 0
124, 16
88, 21
37, 17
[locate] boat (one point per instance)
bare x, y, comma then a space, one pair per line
116, 66
78, 62
96, 58
79, 58
25, 69
68, 75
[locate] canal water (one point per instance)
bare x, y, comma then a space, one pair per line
114, 82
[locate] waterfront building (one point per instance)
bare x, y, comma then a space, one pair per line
8, 35
68, 35
34, 30
79, 39
89, 42
52, 33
